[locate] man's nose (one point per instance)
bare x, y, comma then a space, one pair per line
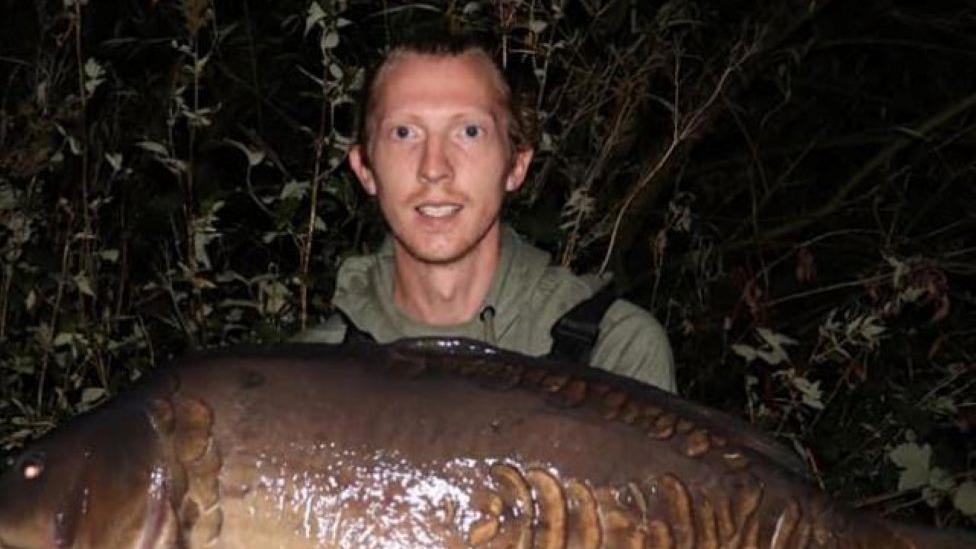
435, 165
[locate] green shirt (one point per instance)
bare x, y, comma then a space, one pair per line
527, 296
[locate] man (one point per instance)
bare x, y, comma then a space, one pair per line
441, 144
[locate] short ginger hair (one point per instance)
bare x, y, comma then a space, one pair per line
521, 120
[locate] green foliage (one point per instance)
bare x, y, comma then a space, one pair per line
788, 186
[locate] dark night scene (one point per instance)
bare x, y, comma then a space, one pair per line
487, 273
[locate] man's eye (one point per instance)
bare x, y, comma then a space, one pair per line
472, 130
401, 132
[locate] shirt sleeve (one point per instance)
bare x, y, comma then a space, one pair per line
333, 330
633, 343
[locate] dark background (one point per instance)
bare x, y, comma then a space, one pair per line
788, 186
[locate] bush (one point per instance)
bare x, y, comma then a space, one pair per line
788, 186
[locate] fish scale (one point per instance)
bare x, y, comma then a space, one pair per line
420, 443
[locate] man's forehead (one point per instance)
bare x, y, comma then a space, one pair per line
469, 79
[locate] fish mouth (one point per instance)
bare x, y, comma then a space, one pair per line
438, 210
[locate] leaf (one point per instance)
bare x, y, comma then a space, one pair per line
114, 160
546, 144
810, 391
94, 75
109, 255
330, 40
870, 327
744, 351
940, 479
914, 461
153, 147
201, 64
944, 405
775, 342
202, 283
275, 296
200, 241
965, 498
73, 144
294, 189
83, 284
774, 339
253, 157
314, 16
8, 198
940, 484
92, 394
358, 80
198, 119
900, 270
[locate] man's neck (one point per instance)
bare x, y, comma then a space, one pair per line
449, 293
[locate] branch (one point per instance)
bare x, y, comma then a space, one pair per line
681, 134
858, 179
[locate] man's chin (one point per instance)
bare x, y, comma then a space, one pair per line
436, 256
443, 250
434, 253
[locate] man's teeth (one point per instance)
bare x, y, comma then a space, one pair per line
439, 210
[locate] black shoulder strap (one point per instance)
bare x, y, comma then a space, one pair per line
575, 333
353, 333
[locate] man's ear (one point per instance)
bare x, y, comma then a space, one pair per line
520, 166
357, 161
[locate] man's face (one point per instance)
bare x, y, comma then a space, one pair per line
439, 160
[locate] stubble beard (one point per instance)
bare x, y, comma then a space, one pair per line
466, 249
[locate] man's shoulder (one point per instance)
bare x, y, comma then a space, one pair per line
363, 284
633, 343
559, 279
355, 270
624, 311
555, 292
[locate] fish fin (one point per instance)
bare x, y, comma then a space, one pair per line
199, 459
162, 529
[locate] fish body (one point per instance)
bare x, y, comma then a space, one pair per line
420, 443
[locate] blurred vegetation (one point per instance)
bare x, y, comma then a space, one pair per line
789, 186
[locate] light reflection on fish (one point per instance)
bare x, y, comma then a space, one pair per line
421, 443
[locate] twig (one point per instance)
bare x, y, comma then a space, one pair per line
679, 134
888, 496
45, 359
306, 245
623, 113
8, 278
857, 180
831, 288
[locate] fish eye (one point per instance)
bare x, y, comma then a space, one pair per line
32, 466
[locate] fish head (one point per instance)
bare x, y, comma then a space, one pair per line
88, 484
24, 491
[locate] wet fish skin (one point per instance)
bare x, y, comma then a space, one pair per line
433, 442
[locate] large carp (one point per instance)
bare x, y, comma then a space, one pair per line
422, 443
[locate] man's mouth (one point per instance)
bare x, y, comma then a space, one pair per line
438, 211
